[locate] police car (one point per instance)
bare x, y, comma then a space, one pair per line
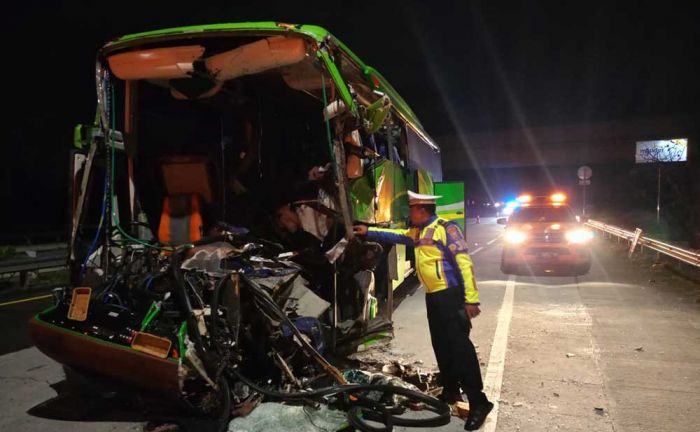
544, 236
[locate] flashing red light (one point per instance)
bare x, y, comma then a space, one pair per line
558, 197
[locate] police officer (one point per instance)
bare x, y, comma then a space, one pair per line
444, 268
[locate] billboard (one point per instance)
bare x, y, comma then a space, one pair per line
669, 150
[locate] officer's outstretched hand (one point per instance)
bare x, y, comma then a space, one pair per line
360, 230
472, 310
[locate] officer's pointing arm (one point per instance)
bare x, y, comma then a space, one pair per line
389, 235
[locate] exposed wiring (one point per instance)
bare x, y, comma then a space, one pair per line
110, 132
374, 411
93, 245
194, 291
274, 308
108, 295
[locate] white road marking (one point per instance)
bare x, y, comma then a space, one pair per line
497, 360
489, 243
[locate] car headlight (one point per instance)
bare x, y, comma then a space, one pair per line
579, 236
515, 236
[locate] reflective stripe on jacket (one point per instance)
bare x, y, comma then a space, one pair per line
442, 255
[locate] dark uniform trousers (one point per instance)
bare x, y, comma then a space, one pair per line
454, 351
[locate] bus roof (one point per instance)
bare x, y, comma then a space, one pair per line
316, 33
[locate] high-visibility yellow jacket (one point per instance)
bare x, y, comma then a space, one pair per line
442, 255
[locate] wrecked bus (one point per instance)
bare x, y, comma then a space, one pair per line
212, 203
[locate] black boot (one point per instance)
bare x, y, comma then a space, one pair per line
477, 416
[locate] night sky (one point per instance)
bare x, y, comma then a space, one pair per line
474, 65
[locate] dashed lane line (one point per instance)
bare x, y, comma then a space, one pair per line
497, 359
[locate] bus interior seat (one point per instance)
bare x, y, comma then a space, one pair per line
181, 219
188, 190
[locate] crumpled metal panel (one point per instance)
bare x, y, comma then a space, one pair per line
386, 200
392, 199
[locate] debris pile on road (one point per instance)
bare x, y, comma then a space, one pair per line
230, 328
424, 379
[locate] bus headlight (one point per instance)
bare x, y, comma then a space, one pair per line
579, 236
515, 236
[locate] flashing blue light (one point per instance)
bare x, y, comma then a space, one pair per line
509, 207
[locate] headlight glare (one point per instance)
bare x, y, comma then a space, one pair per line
515, 236
579, 236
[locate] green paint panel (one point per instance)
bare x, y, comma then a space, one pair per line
451, 205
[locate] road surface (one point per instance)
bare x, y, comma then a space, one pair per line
615, 350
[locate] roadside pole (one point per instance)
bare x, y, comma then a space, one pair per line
584, 179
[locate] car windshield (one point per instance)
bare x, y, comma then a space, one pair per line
542, 214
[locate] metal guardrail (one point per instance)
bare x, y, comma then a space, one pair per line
687, 256
33, 237
33, 258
